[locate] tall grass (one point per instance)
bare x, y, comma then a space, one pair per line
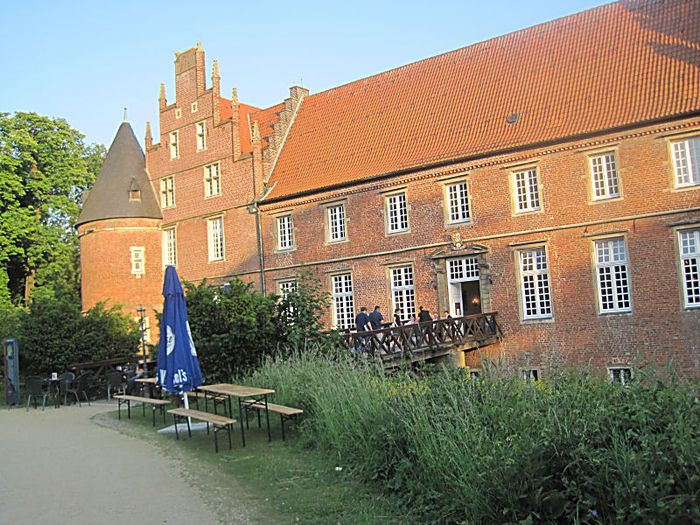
575, 449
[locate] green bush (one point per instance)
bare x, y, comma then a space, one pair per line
55, 333
235, 328
232, 328
575, 449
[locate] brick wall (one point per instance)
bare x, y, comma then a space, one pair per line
105, 265
657, 328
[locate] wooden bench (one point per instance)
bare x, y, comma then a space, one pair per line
217, 421
155, 404
218, 400
283, 411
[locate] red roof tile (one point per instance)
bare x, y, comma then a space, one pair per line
612, 66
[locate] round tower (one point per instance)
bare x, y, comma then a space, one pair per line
120, 234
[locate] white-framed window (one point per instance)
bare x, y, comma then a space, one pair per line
343, 304
167, 192
527, 190
396, 213
286, 287
201, 135
604, 178
138, 260
212, 180
335, 217
403, 292
457, 195
531, 374
215, 229
620, 374
686, 162
463, 269
534, 284
285, 232
689, 251
612, 275
169, 247
174, 145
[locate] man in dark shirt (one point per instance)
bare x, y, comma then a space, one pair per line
376, 318
362, 322
424, 315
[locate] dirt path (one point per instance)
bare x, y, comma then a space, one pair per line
59, 466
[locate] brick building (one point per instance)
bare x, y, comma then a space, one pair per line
551, 175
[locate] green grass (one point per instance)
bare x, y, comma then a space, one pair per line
275, 482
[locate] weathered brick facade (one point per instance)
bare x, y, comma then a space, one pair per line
259, 153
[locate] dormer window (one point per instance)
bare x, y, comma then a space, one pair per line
134, 191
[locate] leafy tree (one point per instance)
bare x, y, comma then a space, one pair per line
44, 168
299, 313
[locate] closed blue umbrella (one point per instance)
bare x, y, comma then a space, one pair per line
178, 365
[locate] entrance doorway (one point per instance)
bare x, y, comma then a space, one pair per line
463, 286
471, 297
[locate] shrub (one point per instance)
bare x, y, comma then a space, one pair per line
232, 327
575, 449
54, 333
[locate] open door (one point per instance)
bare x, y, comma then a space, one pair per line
471, 297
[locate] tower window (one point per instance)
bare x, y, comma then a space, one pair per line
138, 261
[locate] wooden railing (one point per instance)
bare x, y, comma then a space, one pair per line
410, 339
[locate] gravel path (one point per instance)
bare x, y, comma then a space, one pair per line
59, 466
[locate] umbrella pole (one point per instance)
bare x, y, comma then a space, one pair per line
186, 402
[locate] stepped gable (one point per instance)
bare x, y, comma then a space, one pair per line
608, 67
122, 174
266, 120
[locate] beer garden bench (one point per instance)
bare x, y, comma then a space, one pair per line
217, 421
156, 404
286, 413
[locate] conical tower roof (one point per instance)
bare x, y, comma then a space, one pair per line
122, 177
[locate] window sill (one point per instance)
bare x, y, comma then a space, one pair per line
539, 320
212, 196
338, 241
520, 213
601, 200
459, 224
402, 232
689, 187
282, 251
614, 312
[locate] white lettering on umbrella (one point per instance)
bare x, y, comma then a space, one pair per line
189, 333
162, 376
170, 346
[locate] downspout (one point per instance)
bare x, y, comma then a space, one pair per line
255, 208
261, 255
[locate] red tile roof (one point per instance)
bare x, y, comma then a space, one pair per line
612, 66
266, 120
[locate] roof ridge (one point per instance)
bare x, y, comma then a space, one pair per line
474, 44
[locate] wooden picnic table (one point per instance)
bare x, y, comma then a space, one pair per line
241, 392
148, 383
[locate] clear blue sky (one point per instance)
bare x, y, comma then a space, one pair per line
85, 61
